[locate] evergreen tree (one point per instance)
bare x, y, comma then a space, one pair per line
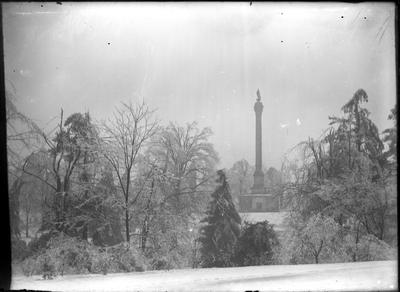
222, 229
356, 140
390, 137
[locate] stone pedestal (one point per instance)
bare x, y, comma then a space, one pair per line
258, 185
258, 203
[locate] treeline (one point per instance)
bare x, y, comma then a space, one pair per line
124, 194
128, 194
342, 192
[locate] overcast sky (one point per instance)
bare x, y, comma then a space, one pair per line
204, 62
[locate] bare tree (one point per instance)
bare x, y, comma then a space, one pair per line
185, 170
188, 155
22, 134
124, 137
240, 179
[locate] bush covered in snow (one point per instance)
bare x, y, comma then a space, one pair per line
63, 254
256, 245
163, 259
322, 240
371, 248
101, 262
124, 259
68, 255
40, 243
19, 249
30, 266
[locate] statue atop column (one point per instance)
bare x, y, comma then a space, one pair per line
258, 185
259, 96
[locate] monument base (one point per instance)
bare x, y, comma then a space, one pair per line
259, 203
258, 191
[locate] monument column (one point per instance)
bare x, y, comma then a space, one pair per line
258, 186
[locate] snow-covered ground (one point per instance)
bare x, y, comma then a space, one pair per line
371, 276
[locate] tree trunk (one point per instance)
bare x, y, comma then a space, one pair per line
15, 206
382, 226
145, 231
27, 224
317, 253
56, 206
357, 129
357, 241
85, 232
350, 148
85, 195
194, 260
127, 222
64, 205
145, 228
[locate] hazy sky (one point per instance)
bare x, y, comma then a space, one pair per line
204, 62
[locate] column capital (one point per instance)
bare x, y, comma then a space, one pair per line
258, 107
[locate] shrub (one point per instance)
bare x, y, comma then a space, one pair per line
101, 262
48, 267
171, 255
39, 244
256, 245
340, 244
164, 261
373, 249
126, 259
316, 240
40, 264
30, 266
62, 255
68, 255
161, 264
19, 249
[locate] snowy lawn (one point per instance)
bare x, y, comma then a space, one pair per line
379, 275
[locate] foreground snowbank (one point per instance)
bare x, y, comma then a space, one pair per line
372, 276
